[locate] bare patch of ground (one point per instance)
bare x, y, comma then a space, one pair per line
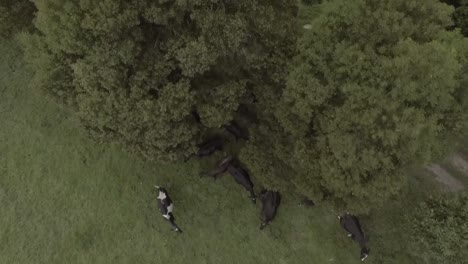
459, 161
445, 178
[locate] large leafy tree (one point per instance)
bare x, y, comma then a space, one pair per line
375, 88
141, 72
460, 15
15, 15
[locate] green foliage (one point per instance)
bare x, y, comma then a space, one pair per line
461, 17
440, 230
15, 16
136, 70
376, 85
375, 88
311, 2
389, 227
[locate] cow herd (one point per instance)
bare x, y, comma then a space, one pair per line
270, 199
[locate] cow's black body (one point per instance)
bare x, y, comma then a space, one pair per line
209, 147
164, 203
196, 116
242, 177
236, 130
307, 202
221, 168
351, 224
270, 202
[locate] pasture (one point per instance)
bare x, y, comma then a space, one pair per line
66, 199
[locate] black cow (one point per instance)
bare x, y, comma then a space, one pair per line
351, 224
306, 202
221, 168
270, 202
208, 147
196, 116
242, 177
236, 130
246, 112
166, 207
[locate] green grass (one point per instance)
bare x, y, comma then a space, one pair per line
65, 199
307, 13
388, 230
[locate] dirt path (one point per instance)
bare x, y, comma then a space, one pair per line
460, 163
444, 177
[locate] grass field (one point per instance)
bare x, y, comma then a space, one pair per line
307, 13
65, 199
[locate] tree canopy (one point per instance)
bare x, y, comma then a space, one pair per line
375, 88
15, 15
460, 15
140, 72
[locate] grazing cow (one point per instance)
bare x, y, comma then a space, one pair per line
208, 147
236, 130
242, 177
196, 116
351, 224
221, 168
247, 113
166, 207
306, 202
270, 202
